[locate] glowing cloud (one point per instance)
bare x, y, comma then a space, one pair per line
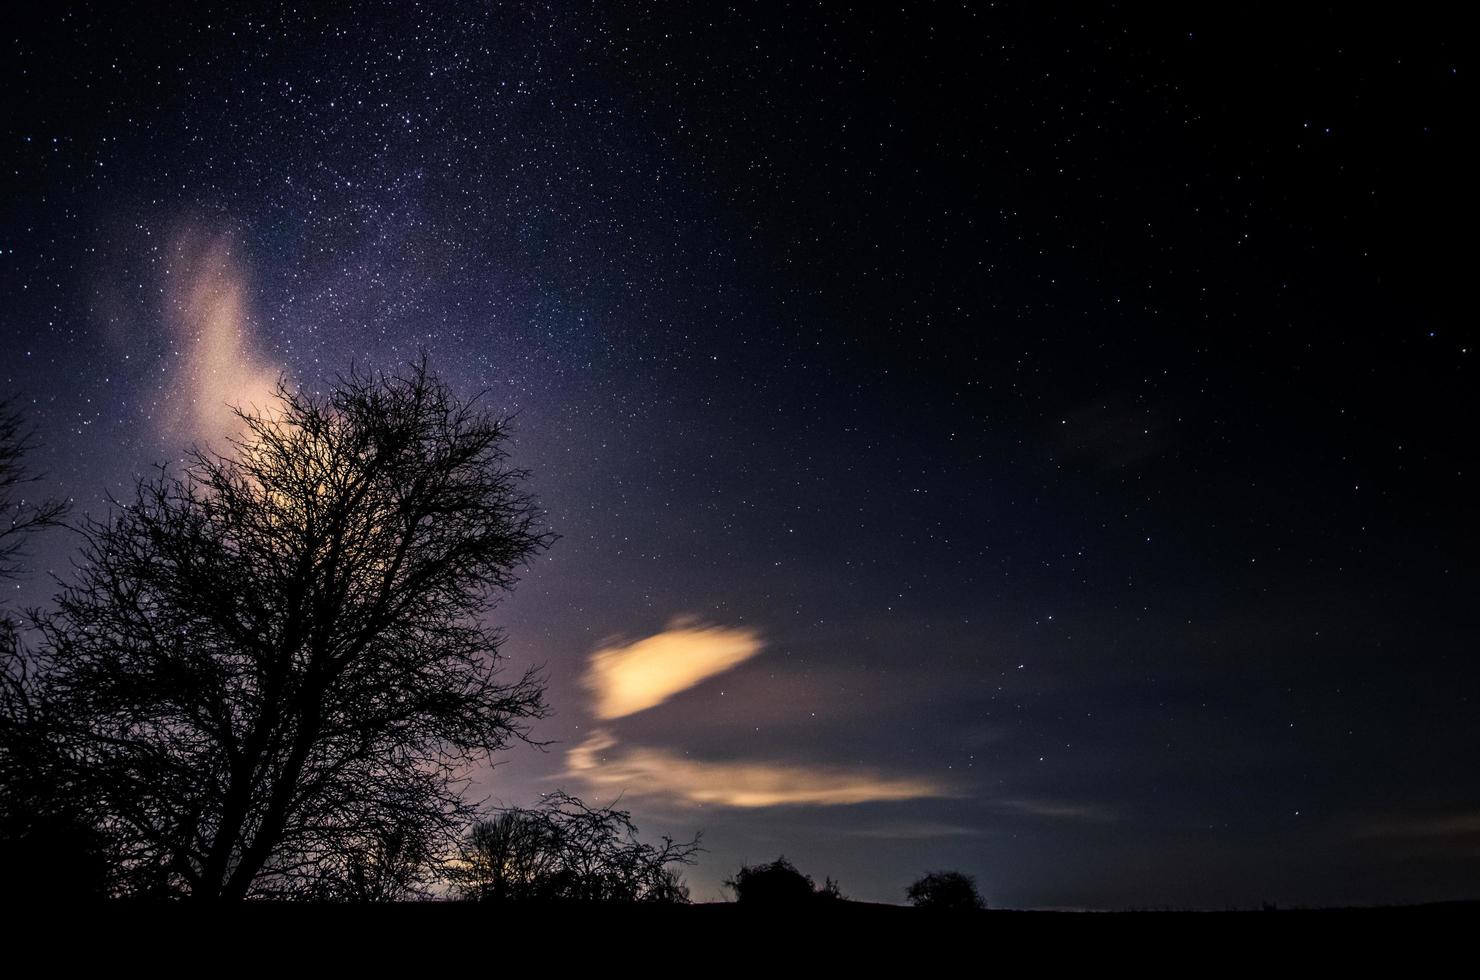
656, 772
206, 313
630, 678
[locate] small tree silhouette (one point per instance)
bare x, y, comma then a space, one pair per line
779, 884
945, 890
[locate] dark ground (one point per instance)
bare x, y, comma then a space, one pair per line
723, 940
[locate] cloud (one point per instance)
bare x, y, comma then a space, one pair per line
1057, 811
918, 830
1452, 836
1450, 825
207, 315
626, 679
642, 771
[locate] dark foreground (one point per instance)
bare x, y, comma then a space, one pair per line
719, 935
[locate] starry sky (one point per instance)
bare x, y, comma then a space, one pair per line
1032, 442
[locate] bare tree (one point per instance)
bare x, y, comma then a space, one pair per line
273, 670
19, 517
565, 850
48, 848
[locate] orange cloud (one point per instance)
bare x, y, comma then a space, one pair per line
207, 315
629, 678
656, 772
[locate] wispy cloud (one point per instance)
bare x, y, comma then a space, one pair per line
628, 678
218, 365
1448, 825
913, 831
1057, 810
653, 772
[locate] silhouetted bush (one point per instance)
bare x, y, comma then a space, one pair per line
779, 883
945, 890
564, 850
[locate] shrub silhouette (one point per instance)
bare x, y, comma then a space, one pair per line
779, 884
945, 890
563, 850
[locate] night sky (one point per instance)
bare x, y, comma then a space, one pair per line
1038, 444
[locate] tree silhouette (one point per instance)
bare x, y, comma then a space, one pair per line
272, 671
48, 848
19, 517
565, 850
945, 890
779, 883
